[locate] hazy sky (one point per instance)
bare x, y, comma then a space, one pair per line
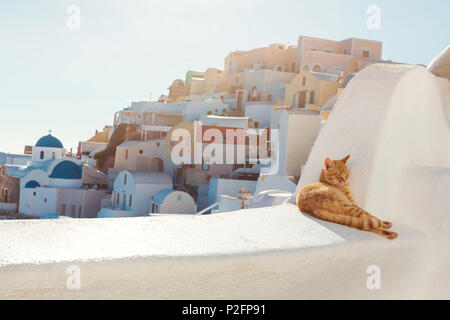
72, 81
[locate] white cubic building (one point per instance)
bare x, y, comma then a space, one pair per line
133, 193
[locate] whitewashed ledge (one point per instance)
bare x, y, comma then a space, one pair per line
267, 253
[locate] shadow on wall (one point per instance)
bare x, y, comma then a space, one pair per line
123, 132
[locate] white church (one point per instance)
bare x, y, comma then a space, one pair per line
52, 185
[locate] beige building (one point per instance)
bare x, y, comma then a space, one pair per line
147, 155
311, 90
349, 55
277, 57
311, 54
178, 91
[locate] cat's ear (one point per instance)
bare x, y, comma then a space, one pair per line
345, 159
328, 163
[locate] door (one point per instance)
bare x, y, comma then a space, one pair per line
302, 99
239, 100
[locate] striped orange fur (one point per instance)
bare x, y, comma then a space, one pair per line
331, 200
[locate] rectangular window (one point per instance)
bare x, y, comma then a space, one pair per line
366, 53
126, 154
72, 211
205, 166
125, 179
303, 81
63, 209
311, 96
130, 202
80, 210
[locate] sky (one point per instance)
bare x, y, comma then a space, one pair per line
72, 81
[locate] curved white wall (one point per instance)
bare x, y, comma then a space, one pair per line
391, 120
178, 202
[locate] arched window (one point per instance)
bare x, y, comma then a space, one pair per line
42, 155
317, 68
279, 67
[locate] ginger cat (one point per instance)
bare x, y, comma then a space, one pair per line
331, 200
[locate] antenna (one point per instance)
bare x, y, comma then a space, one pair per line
50, 132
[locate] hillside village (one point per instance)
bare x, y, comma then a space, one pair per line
277, 98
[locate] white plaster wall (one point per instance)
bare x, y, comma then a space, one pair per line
268, 253
48, 153
65, 183
302, 131
260, 113
70, 197
228, 203
145, 194
37, 175
16, 159
194, 110
35, 205
172, 205
391, 120
92, 202
88, 200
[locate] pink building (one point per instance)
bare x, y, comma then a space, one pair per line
350, 55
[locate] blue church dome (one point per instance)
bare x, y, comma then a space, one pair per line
67, 170
32, 184
49, 141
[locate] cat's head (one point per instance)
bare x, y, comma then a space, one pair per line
335, 172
